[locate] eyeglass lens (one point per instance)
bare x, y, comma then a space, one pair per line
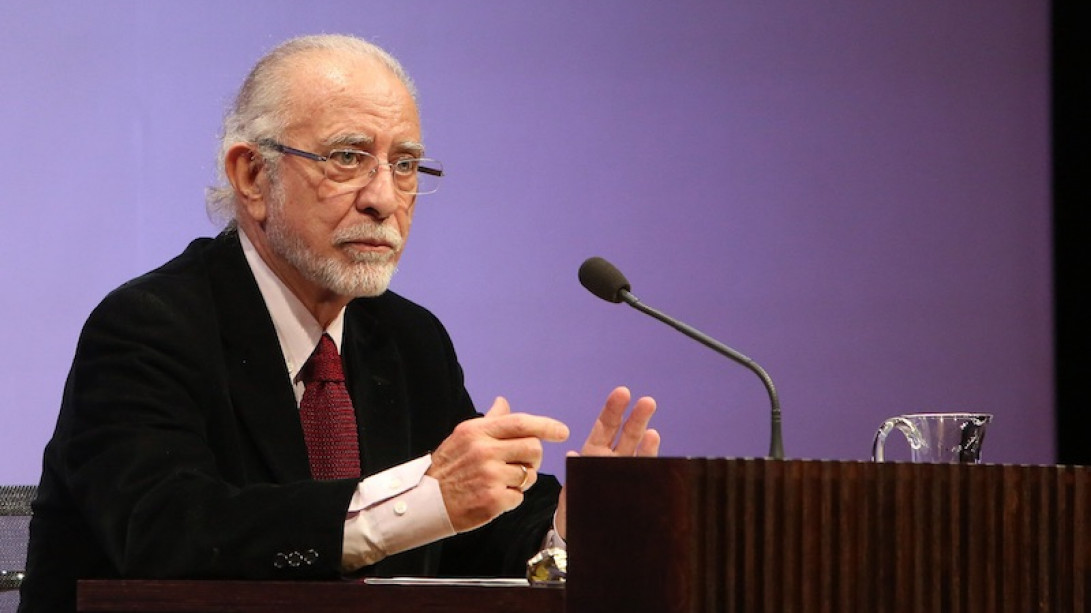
410, 175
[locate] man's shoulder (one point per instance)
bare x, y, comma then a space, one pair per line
200, 257
182, 283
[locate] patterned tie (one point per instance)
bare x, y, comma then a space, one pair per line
329, 421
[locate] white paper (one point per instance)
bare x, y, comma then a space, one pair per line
481, 582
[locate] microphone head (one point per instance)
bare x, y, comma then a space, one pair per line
602, 279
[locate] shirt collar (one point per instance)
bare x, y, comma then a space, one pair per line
297, 330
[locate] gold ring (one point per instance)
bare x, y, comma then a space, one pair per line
526, 477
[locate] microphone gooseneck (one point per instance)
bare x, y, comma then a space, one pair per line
604, 280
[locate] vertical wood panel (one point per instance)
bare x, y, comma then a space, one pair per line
767, 536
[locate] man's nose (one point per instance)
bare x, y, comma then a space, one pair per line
380, 197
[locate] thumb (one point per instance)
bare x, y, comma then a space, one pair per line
499, 407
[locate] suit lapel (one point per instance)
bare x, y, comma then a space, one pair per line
377, 387
261, 394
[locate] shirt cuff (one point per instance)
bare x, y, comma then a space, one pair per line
394, 511
553, 538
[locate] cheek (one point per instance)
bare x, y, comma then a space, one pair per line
404, 218
308, 226
327, 191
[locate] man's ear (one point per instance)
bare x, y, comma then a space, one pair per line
243, 164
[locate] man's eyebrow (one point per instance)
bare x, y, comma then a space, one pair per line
354, 140
411, 147
365, 141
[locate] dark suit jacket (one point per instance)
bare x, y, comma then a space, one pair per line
179, 452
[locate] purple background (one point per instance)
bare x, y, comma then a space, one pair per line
854, 194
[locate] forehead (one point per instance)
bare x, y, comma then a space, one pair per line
333, 93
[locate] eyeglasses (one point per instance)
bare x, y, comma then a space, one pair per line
357, 168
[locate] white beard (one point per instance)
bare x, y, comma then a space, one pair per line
368, 274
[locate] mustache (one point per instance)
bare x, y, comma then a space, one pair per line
369, 232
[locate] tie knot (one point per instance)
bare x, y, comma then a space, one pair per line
324, 364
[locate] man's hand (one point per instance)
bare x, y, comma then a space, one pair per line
613, 436
486, 464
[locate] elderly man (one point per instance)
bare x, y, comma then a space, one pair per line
222, 409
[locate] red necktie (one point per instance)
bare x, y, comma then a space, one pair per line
329, 421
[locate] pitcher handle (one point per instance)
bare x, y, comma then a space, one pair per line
904, 425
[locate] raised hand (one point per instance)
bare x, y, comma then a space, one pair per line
614, 435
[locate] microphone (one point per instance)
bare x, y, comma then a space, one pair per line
604, 280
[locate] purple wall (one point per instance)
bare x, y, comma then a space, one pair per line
855, 196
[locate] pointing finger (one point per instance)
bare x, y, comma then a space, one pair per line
519, 425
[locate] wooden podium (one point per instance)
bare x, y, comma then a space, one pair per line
666, 535
159, 596
764, 536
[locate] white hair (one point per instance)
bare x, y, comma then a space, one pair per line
260, 109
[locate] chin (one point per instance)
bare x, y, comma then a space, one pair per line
364, 280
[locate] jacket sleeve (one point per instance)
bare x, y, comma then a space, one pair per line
143, 447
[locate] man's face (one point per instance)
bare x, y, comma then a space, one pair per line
327, 237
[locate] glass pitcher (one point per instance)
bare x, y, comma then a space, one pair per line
937, 437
